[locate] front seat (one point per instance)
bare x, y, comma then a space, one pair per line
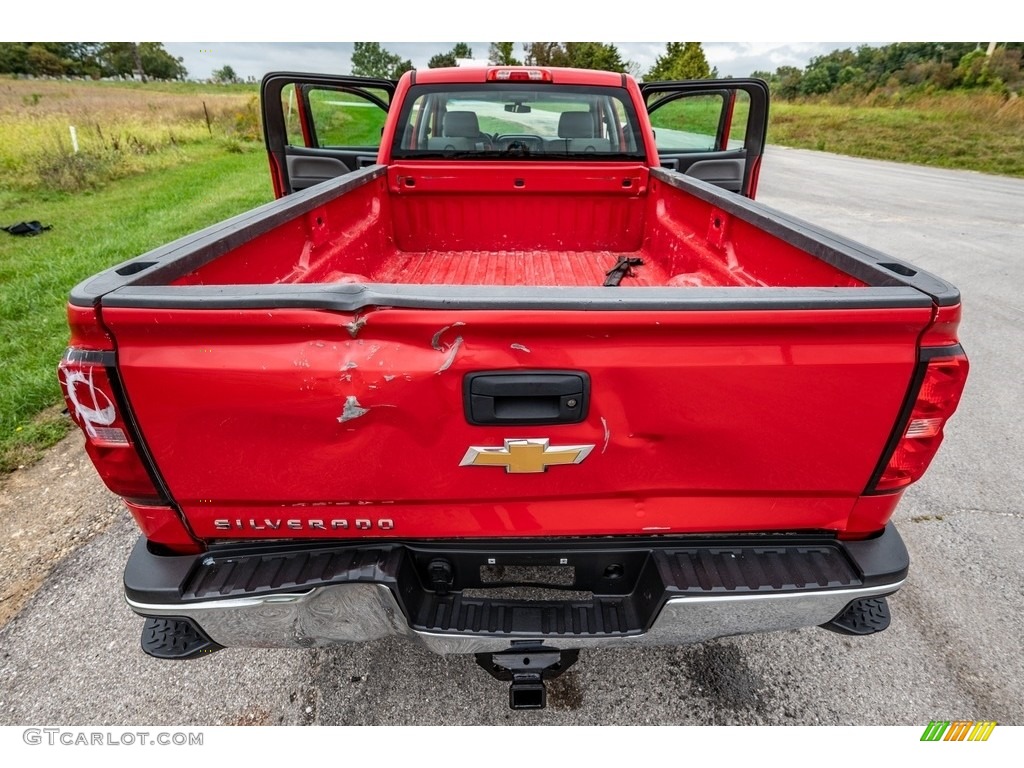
461, 129
576, 134
575, 125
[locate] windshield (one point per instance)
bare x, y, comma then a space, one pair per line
516, 120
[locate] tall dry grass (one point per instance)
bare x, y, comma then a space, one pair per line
120, 130
968, 130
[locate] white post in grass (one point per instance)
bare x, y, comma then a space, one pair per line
74, 139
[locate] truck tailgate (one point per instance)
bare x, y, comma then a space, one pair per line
316, 423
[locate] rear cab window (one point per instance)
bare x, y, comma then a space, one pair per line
518, 120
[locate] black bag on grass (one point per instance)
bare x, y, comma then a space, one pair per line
26, 228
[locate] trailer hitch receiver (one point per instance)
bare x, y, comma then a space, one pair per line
526, 666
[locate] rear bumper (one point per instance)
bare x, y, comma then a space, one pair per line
626, 592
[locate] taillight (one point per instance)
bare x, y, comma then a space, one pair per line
941, 381
92, 405
87, 380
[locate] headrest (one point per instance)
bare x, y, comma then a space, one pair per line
462, 124
575, 125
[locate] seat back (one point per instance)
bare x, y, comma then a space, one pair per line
463, 124
576, 134
575, 125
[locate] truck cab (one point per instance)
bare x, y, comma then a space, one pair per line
320, 127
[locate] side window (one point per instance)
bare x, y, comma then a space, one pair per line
327, 118
740, 116
690, 122
290, 110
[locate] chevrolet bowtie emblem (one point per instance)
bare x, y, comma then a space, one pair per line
525, 455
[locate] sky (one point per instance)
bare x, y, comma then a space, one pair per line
256, 59
316, 35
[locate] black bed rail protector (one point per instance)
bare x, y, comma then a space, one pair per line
353, 297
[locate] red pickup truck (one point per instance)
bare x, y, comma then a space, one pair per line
514, 366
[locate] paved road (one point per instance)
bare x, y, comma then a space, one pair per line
954, 650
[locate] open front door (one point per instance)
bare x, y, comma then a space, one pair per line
713, 130
318, 127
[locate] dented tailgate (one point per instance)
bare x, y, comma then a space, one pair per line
314, 423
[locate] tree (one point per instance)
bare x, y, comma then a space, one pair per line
158, 63
583, 55
545, 55
117, 59
90, 59
77, 59
790, 81
42, 61
370, 60
450, 59
442, 60
502, 53
681, 61
400, 68
594, 56
225, 74
14, 58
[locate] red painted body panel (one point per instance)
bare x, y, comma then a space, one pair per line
701, 421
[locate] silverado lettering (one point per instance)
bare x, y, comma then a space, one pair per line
359, 524
562, 351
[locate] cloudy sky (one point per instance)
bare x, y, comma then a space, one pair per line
256, 59
229, 29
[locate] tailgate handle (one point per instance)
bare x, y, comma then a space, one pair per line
526, 397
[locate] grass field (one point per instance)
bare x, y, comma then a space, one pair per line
158, 161
978, 131
123, 204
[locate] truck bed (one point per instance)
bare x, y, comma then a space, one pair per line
413, 227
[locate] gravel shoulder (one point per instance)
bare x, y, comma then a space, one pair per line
48, 510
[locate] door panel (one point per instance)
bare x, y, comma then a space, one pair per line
318, 127
711, 129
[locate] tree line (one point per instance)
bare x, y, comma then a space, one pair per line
93, 60
921, 66
681, 61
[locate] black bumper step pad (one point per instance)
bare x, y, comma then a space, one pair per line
865, 616
710, 570
601, 616
175, 639
260, 573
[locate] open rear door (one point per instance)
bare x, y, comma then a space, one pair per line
318, 127
713, 130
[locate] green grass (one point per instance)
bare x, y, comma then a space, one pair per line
92, 231
980, 132
341, 119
